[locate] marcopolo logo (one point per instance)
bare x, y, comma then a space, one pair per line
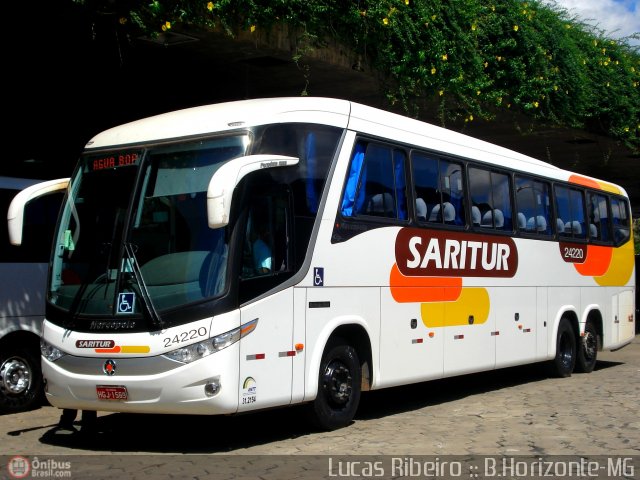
453, 254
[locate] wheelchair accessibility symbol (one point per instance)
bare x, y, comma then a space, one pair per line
126, 301
318, 276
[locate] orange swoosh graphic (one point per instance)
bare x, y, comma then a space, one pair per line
597, 261
406, 289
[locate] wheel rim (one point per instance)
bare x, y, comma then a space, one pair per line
15, 376
589, 345
338, 383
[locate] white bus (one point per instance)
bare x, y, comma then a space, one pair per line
23, 283
397, 252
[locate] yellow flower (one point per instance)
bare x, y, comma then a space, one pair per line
478, 92
406, 2
166, 26
253, 28
536, 104
499, 58
122, 20
567, 26
363, 13
473, 27
515, 28
385, 21
486, 64
433, 70
445, 57
626, 129
555, 88
210, 6
441, 92
433, 17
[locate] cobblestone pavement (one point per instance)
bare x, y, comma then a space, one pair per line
517, 411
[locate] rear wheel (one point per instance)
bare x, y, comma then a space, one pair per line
338, 387
20, 378
587, 349
565, 359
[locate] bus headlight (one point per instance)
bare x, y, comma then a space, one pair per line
199, 350
50, 352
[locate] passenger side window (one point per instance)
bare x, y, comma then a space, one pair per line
598, 218
439, 190
620, 221
570, 213
490, 199
377, 183
533, 206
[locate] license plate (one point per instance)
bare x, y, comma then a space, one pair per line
117, 393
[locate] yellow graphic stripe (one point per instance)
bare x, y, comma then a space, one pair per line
135, 349
473, 302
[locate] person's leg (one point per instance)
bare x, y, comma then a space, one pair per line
89, 421
67, 418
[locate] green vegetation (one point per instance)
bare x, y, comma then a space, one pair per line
473, 58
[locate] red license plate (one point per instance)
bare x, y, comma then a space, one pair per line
117, 393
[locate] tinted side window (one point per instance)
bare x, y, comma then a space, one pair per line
570, 213
380, 188
599, 224
490, 199
620, 220
439, 190
533, 213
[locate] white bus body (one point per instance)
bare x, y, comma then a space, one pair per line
400, 252
23, 274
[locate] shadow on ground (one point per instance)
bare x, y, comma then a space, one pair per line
122, 432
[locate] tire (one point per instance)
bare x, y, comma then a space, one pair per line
565, 360
587, 349
338, 387
20, 378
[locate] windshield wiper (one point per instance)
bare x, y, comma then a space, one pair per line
144, 293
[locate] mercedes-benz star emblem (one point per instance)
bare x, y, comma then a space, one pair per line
109, 367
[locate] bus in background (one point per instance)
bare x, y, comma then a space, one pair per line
263, 253
23, 283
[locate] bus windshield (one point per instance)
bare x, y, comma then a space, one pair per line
133, 235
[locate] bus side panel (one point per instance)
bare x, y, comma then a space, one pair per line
516, 330
626, 325
562, 302
542, 324
267, 354
410, 351
328, 309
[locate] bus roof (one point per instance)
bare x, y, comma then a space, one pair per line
203, 120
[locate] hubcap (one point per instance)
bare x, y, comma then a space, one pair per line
337, 382
590, 345
15, 376
566, 355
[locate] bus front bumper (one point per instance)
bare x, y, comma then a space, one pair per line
208, 386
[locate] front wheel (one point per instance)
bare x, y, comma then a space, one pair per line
565, 360
588, 349
20, 379
338, 387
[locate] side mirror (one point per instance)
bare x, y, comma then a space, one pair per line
227, 177
15, 215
